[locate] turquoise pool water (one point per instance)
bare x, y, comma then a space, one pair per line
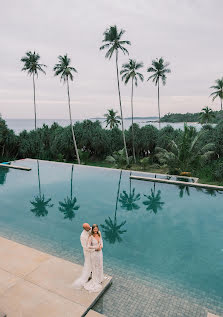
153, 232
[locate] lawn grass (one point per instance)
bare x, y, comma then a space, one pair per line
203, 179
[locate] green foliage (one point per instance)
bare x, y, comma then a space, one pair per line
113, 42
207, 115
186, 154
63, 68
31, 63
218, 90
112, 120
129, 70
118, 158
190, 117
8, 143
200, 153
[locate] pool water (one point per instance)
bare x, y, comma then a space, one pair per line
161, 234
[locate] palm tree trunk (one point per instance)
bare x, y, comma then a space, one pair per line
159, 100
120, 103
116, 205
71, 124
34, 99
133, 141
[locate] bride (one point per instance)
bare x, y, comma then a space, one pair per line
95, 242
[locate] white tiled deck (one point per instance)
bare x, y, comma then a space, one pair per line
33, 283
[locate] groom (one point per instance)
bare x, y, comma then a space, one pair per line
86, 273
87, 258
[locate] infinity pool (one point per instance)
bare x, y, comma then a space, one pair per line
166, 235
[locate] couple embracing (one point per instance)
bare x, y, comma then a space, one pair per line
92, 275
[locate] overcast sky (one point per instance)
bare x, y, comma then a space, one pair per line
186, 33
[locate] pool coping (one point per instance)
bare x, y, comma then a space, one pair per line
109, 168
160, 180
151, 179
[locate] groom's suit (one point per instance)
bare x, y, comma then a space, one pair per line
87, 258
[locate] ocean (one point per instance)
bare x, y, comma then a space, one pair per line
18, 125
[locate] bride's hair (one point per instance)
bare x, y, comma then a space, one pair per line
92, 229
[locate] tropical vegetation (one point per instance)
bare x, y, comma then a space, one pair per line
114, 43
192, 117
167, 150
112, 119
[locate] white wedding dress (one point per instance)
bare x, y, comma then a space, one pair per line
94, 285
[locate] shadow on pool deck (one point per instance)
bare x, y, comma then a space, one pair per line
33, 283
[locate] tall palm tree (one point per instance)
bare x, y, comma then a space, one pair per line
159, 69
128, 201
32, 67
206, 115
68, 206
111, 229
218, 90
153, 202
129, 71
112, 119
40, 203
113, 42
66, 71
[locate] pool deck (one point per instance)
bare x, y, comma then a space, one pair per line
33, 283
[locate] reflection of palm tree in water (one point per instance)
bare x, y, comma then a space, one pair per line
153, 202
128, 202
184, 189
3, 173
68, 206
111, 229
40, 203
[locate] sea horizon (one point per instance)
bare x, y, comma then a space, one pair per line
19, 125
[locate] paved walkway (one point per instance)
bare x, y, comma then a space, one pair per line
33, 283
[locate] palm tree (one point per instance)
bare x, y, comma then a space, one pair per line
68, 206
206, 115
111, 229
153, 202
129, 70
66, 71
128, 201
112, 40
218, 90
32, 67
159, 69
186, 152
40, 203
112, 119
